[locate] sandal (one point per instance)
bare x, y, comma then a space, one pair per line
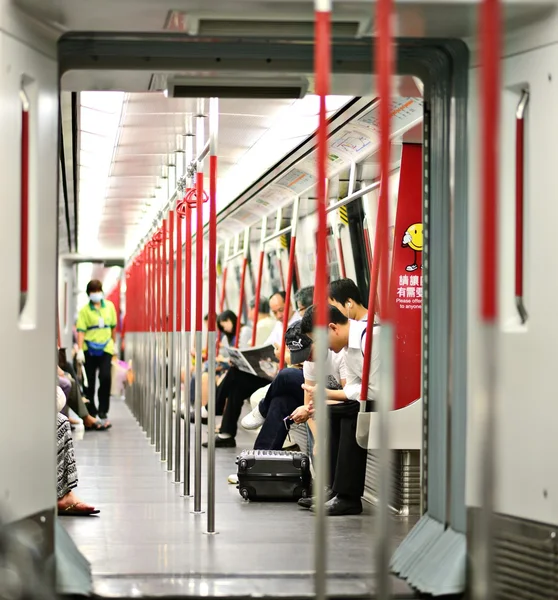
97, 427
79, 509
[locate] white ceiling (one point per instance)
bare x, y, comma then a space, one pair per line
416, 18
115, 212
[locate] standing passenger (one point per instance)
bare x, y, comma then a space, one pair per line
96, 329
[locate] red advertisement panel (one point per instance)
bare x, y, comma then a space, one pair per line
406, 277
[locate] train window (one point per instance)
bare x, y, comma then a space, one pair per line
355, 212
333, 256
275, 273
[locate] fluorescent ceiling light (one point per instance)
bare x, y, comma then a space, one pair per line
100, 120
291, 127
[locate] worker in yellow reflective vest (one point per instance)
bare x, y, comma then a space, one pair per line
96, 333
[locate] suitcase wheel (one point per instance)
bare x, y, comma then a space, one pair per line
243, 464
305, 493
245, 493
303, 463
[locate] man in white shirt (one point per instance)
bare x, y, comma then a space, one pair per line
347, 458
237, 385
345, 295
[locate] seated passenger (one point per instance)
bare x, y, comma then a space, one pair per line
68, 503
226, 324
283, 396
347, 458
237, 385
345, 295
303, 299
75, 401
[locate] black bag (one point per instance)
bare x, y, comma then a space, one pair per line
273, 474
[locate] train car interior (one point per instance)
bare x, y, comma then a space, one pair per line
198, 193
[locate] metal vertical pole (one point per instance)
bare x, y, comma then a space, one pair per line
384, 70
212, 335
171, 340
187, 346
483, 587
322, 66
179, 336
188, 158
199, 310
259, 281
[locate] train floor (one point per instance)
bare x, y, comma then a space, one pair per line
146, 541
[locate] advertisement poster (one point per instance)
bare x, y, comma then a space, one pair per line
406, 277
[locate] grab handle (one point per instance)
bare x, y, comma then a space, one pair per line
519, 204
24, 202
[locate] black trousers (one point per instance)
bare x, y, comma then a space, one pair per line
347, 458
283, 396
103, 364
236, 387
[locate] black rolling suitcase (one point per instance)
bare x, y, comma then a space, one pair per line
273, 474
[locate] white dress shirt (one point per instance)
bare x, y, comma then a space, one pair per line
276, 335
354, 361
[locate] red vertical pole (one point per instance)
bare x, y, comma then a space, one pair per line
288, 288
188, 274
223, 290
519, 208
199, 252
490, 81
211, 326
24, 227
171, 272
241, 300
341, 255
322, 68
257, 296
164, 259
179, 269
490, 47
290, 275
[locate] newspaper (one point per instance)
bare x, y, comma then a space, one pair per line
260, 361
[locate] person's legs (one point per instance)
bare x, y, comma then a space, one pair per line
91, 365
273, 432
244, 388
68, 503
66, 462
334, 440
351, 460
105, 377
287, 383
235, 388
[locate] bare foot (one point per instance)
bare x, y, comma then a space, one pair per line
89, 421
71, 500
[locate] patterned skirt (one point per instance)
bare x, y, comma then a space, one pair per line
66, 464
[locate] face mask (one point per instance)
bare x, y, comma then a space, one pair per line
96, 297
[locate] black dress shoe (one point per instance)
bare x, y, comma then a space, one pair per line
223, 442
342, 506
307, 502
